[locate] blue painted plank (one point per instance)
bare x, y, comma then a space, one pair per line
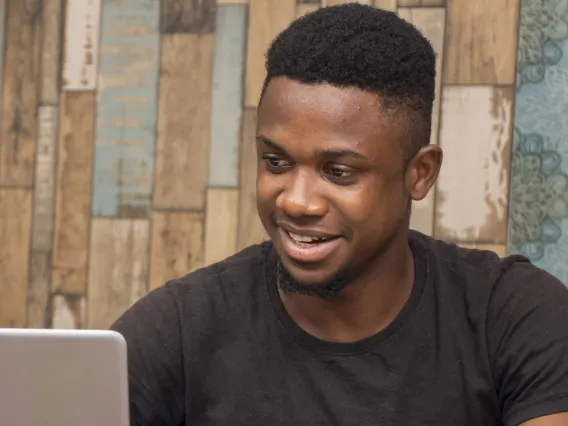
538, 205
126, 108
227, 100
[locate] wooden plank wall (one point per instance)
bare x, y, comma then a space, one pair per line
127, 153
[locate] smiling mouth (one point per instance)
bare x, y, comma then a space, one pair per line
308, 249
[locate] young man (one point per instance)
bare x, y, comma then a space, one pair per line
346, 317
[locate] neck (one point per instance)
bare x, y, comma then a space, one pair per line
366, 306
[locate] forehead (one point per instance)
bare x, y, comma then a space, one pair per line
320, 114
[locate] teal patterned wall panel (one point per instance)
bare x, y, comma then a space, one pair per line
538, 216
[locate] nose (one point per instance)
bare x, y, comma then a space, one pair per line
301, 198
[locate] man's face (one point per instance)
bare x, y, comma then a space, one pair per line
333, 186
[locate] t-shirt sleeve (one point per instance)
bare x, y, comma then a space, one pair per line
527, 332
151, 328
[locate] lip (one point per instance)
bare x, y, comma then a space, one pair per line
313, 233
308, 253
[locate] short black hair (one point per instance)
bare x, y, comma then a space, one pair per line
365, 47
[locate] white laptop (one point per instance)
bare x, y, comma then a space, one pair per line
63, 378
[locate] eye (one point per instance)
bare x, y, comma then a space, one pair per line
276, 164
340, 174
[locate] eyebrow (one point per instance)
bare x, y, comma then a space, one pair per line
322, 153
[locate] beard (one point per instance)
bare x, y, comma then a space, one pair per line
326, 290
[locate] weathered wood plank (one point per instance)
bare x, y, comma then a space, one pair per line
118, 268
431, 22
176, 246
481, 42
184, 119
2, 39
250, 228
126, 109
417, 3
187, 16
68, 311
81, 45
227, 98
472, 195
73, 200
38, 291
385, 5
51, 51
220, 2
336, 2
221, 224
44, 178
15, 226
20, 92
304, 8
266, 19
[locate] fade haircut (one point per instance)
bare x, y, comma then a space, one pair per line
354, 45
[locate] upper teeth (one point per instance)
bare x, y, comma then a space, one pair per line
304, 239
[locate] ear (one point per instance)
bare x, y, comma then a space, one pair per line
423, 171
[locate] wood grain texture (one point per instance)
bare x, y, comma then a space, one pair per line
38, 291
73, 200
266, 19
385, 5
431, 23
184, 121
499, 249
227, 98
2, 40
221, 224
417, 3
68, 311
472, 191
481, 42
187, 16
81, 45
20, 92
126, 109
176, 245
15, 226
250, 228
51, 51
44, 178
118, 268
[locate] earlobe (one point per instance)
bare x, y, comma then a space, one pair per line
423, 171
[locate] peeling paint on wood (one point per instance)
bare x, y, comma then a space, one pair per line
38, 291
51, 51
187, 16
81, 44
176, 246
481, 42
15, 226
126, 109
250, 228
431, 22
20, 92
227, 98
73, 200
472, 195
184, 121
266, 19
44, 178
68, 311
118, 268
221, 224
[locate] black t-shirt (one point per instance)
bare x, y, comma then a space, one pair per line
481, 341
